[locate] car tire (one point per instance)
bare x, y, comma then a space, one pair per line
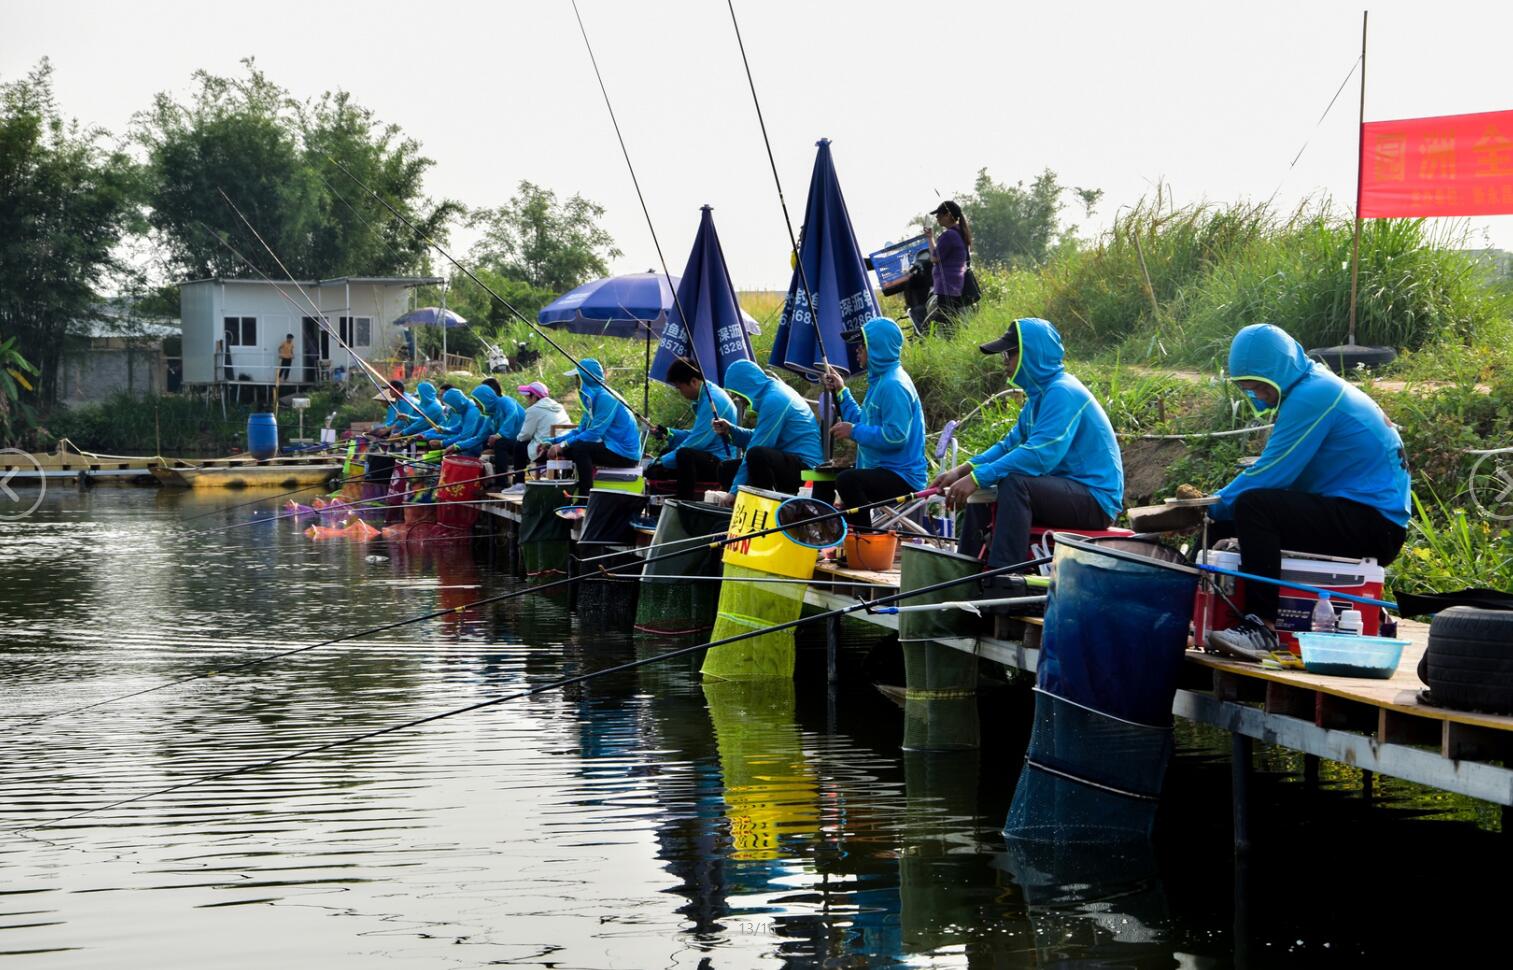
1469, 661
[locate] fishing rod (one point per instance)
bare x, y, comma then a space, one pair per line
532, 691
677, 303
793, 241
428, 240
685, 546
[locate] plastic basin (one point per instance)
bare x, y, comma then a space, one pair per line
1350, 654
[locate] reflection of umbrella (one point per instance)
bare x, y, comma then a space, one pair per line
836, 275
616, 306
715, 318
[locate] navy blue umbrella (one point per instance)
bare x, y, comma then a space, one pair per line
616, 306
837, 277
715, 334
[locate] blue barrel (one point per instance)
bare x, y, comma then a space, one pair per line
1116, 627
262, 435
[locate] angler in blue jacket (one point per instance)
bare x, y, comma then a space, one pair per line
696, 454
786, 439
1332, 479
502, 418
431, 415
471, 424
889, 428
401, 411
606, 435
1058, 466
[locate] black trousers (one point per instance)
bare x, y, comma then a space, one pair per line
692, 468
588, 455
860, 486
510, 456
1022, 500
283, 369
1268, 520
774, 470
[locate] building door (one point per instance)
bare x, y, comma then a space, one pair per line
312, 344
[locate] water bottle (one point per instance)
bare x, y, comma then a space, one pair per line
1351, 622
1323, 615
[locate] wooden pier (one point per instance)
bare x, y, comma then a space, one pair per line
1376, 726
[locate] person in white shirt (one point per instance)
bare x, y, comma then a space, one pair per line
542, 414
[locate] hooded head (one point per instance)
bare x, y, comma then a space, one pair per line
1266, 353
885, 343
456, 400
1040, 353
745, 379
487, 397
590, 374
427, 392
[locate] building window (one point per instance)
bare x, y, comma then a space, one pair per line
357, 331
241, 331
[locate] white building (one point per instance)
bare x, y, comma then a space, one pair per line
233, 328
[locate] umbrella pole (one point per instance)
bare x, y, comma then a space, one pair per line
443, 331
646, 385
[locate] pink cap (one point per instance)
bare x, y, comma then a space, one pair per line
535, 387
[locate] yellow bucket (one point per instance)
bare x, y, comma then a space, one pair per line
756, 510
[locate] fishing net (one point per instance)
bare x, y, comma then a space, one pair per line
940, 699
818, 535
770, 788
746, 604
545, 538
677, 607
1087, 777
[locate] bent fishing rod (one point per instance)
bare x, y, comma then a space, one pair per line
783, 202
693, 344
532, 691
428, 240
685, 546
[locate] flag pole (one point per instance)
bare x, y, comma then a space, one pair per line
1360, 163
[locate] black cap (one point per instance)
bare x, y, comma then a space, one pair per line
948, 206
852, 336
1009, 341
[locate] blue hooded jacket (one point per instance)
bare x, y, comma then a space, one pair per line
401, 411
1062, 431
889, 429
505, 415
1329, 438
429, 408
471, 423
783, 418
605, 416
701, 436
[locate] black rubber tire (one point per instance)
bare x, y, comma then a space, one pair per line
1469, 662
1344, 359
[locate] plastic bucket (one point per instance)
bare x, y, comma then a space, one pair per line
1116, 626
756, 510
459, 483
262, 435
871, 550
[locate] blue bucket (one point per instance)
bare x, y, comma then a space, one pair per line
1116, 627
262, 435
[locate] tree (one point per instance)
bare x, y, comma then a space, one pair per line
537, 240
67, 204
272, 156
1013, 225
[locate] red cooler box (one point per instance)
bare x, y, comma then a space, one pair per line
1359, 577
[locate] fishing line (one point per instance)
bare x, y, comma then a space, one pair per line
532, 691
428, 240
685, 546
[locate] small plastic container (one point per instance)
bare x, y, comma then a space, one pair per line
1351, 621
1349, 655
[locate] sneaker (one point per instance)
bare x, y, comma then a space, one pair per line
1251, 640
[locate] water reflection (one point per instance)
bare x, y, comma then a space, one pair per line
645, 818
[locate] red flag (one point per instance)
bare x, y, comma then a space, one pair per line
1454, 165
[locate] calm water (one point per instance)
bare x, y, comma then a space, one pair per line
640, 820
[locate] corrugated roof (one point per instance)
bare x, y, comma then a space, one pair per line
398, 280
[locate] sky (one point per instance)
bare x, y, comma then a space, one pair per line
1210, 100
